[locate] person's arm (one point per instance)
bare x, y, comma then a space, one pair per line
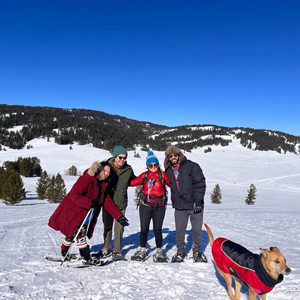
137, 180
199, 182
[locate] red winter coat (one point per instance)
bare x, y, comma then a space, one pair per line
155, 191
75, 205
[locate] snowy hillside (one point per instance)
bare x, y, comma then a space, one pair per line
274, 220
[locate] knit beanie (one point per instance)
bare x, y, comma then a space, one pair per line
119, 150
172, 150
151, 158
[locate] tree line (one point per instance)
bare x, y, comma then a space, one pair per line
12, 187
104, 131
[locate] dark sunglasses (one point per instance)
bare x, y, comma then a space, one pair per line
151, 166
122, 157
175, 155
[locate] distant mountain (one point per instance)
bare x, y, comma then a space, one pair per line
104, 131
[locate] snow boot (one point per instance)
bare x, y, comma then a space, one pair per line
117, 255
160, 257
85, 253
178, 257
139, 255
199, 257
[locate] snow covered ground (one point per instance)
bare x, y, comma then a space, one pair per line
274, 220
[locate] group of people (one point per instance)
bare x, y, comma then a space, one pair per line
105, 184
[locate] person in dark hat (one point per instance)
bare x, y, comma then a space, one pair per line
120, 175
188, 186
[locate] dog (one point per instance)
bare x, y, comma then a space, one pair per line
260, 272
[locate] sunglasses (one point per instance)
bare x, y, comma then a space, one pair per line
151, 166
173, 155
122, 157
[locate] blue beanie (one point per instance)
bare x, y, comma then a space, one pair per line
119, 150
151, 158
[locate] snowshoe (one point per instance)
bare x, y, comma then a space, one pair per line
116, 256
199, 257
60, 258
140, 255
178, 257
160, 257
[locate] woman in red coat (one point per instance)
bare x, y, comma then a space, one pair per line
89, 192
152, 206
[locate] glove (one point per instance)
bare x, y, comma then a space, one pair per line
197, 209
94, 203
123, 221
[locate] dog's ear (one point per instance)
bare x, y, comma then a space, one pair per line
264, 252
274, 249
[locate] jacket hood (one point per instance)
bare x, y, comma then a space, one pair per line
93, 168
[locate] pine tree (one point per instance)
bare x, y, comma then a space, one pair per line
137, 193
56, 189
42, 185
50, 189
72, 171
60, 188
216, 195
251, 195
13, 190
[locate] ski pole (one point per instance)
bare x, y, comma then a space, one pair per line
88, 213
87, 230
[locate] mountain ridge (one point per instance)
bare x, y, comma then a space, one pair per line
104, 131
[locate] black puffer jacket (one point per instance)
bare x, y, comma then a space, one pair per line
192, 185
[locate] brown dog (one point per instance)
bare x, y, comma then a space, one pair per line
260, 272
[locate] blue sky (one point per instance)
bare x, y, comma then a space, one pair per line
228, 63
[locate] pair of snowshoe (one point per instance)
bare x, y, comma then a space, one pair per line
141, 255
197, 257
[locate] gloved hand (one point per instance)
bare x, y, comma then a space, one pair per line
197, 209
123, 221
94, 203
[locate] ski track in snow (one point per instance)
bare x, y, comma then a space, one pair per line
274, 220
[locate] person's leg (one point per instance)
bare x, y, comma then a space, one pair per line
108, 222
181, 221
196, 222
158, 219
145, 217
118, 235
84, 248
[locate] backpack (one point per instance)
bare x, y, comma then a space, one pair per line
142, 196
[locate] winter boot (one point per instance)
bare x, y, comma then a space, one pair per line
199, 257
117, 255
159, 256
64, 256
178, 257
85, 253
139, 255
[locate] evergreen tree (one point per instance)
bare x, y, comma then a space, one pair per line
42, 185
3, 177
251, 195
60, 188
216, 195
56, 189
13, 190
50, 189
72, 171
137, 193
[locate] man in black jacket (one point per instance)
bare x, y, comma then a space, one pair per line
187, 184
